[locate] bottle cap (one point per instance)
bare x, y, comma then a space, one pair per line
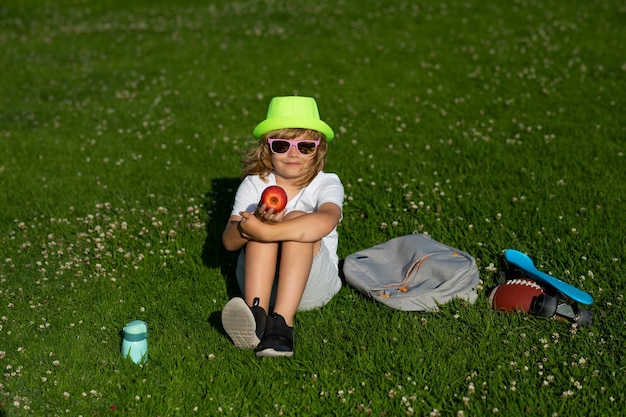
136, 330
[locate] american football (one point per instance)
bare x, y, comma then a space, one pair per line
515, 295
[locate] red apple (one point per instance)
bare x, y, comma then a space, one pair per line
274, 197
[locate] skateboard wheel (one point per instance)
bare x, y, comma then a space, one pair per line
583, 317
543, 305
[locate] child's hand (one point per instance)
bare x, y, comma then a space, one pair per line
267, 215
252, 227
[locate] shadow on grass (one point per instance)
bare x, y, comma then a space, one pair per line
218, 203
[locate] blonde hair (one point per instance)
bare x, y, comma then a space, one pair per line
258, 160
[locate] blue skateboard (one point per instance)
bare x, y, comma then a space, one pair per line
565, 301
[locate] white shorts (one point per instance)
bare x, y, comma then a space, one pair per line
322, 285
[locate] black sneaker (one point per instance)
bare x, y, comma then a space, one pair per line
244, 325
278, 338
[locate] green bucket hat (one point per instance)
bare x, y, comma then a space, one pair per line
293, 112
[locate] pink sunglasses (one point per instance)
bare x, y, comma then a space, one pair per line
304, 147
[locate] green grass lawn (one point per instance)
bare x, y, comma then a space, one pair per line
486, 124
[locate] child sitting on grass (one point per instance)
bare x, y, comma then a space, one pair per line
288, 260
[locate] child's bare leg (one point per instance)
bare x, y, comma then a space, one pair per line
245, 320
295, 265
260, 270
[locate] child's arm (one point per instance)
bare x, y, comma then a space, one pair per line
232, 237
309, 227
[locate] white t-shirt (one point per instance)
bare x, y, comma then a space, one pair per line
325, 188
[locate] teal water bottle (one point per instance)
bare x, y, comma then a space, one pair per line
135, 343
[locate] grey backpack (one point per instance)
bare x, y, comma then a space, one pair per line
413, 273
